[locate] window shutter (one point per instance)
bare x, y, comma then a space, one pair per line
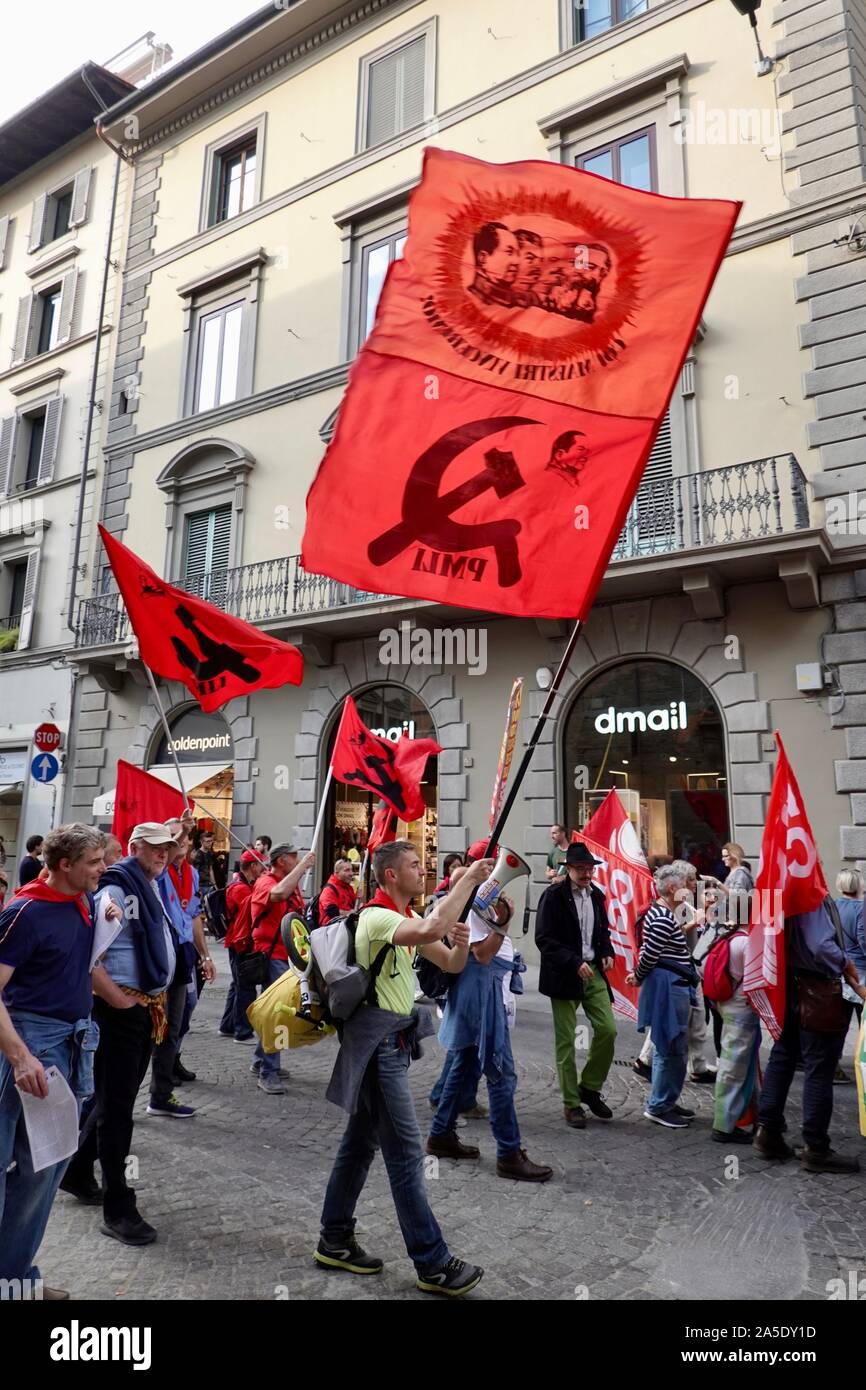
50, 437
222, 535
5, 223
654, 503
396, 92
80, 195
28, 607
21, 347
197, 527
8, 433
37, 222
67, 307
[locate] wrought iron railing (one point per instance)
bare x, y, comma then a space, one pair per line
744, 501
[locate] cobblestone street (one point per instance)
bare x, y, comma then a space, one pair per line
633, 1211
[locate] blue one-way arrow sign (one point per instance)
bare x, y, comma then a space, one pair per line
44, 767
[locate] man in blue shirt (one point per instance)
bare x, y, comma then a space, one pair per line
46, 940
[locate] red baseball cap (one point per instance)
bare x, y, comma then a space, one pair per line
249, 856
476, 851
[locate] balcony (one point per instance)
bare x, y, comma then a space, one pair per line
10, 627
724, 509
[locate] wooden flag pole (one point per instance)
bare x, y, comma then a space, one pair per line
505, 809
170, 745
317, 829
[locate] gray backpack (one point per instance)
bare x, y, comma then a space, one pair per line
341, 983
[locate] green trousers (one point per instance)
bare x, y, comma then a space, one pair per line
597, 1007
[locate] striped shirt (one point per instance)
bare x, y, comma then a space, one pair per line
663, 940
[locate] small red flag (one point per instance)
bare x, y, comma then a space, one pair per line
610, 825
139, 797
182, 638
628, 891
789, 881
392, 771
383, 829
502, 411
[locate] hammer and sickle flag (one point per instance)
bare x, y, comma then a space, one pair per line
185, 639
389, 770
500, 415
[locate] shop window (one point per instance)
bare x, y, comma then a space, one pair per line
390, 711
652, 731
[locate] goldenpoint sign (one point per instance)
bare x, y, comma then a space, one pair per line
614, 721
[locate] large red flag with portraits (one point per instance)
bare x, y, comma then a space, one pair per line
500, 415
392, 771
628, 890
185, 639
789, 881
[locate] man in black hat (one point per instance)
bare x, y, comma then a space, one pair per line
573, 937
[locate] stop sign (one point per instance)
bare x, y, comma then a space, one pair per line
47, 738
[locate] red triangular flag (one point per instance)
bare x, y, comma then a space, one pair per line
182, 638
501, 413
392, 771
789, 881
139, 797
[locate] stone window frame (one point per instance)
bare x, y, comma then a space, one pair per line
205, 474
256, 125
363, 226
236, 281
568, 37
429, 32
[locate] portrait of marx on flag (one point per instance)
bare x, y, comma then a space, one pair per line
522, 269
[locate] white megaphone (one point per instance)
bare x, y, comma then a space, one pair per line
507, 867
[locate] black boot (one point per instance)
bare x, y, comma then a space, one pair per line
181, 1073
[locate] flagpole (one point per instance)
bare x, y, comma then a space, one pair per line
170, 745
505, 809
317, 830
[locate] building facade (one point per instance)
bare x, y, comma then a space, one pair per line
271, 177
61, 216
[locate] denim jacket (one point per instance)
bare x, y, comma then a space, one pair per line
43, 1036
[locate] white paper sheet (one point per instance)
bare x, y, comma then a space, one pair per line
52, 1123
105, 929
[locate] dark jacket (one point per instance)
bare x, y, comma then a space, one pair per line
557, 935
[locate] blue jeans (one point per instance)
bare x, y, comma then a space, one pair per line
385, 1118
501, 1086
469, 1098
669, 1068
26, 1197
238, 1000
270, 1061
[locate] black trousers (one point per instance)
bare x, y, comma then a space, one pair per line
820, 1054
120, 1067
165, 1055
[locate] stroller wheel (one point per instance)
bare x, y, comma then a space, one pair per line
296, 939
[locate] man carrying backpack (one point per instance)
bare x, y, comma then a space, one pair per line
379, 1046
237, 941
338, 895
276, 892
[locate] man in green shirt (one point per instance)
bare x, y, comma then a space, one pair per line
386, 1113
556, 857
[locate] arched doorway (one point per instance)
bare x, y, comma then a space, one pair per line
389, 711
204, 748
652, 731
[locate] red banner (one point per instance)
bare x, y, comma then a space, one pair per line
182, 638
628, 892
610, 825
392, 771
139, 797
506, 750
500, 415
383, 829
789, 881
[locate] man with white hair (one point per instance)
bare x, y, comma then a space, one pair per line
667, 979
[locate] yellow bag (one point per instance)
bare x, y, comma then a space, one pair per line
274, 1016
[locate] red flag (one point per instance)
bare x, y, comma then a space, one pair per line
499, 418
789, 881
139, 797
185, 639
610, 825
384, 828
392, 771
628, 890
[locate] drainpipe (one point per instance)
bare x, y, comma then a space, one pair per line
91, 405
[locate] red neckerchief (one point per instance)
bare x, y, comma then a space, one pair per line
39, 890
381, 899
182, 882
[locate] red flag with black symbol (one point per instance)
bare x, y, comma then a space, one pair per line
383, 829
182, 638
500, 415
392, 771
789, 881
628, 891
139, 797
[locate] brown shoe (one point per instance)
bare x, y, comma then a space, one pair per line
50, 1295
449, 1146
575, 1116
519, 1167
